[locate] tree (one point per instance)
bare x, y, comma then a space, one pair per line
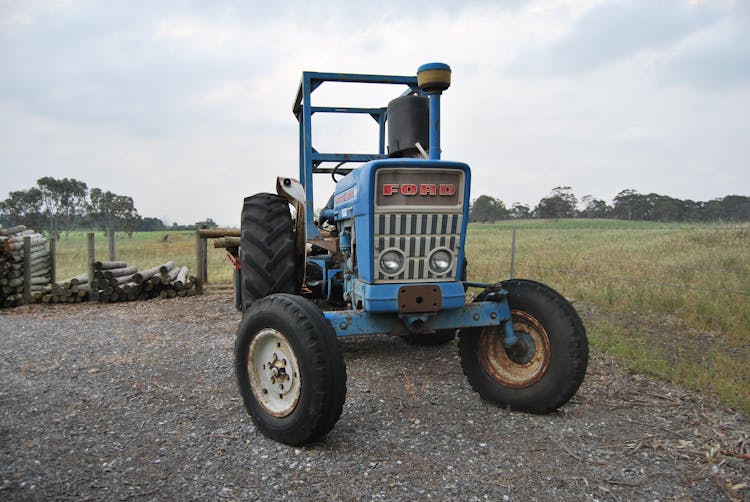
629, 205
594, 208
53, 205
561, 203
207, 223
23, 207
108, 210
64, 202
149, 224
519, 211
735, 208
664, 208
487, 209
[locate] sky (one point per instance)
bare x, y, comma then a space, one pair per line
186, 105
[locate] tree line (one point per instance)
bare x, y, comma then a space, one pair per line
629, 204
62, 205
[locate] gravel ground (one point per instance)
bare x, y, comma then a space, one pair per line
138, 401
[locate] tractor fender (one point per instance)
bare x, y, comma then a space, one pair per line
293, 191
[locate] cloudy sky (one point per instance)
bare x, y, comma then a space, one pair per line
186, 106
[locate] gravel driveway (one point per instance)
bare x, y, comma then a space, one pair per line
138, 401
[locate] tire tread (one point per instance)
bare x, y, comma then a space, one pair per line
577, 351
267, 250
315, 345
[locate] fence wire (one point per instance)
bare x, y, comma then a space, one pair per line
635, 281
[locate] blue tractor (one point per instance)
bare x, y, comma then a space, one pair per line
385, 255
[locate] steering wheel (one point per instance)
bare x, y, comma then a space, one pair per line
336, 171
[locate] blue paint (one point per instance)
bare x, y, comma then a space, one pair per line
364, 207
384, 297
354, 210
434, 151
311, 160
433, 66
470, 315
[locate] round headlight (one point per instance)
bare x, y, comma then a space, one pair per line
391, 262
440, 261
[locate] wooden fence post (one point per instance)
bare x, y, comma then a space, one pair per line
111, 243
91, 256
52, 259
513, 254
201, 258
27, 270
204, 268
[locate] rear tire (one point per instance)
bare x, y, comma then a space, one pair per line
237, 289
267, 251
290, 369
541, 372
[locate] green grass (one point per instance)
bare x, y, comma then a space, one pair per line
666, 299
659, 297
143, 250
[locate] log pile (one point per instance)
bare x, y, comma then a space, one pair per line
116, 282
12, 265
73, 290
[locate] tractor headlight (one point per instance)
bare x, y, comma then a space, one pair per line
440, 261
392, 261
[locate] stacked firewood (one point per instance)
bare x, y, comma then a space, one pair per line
73, 290
115, 281
12, 265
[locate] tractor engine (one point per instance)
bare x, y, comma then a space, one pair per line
406, 218
402, 224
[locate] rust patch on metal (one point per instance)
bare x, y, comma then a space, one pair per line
421, 298
496, 360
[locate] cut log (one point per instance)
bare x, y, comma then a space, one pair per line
116, 281
181, 279
227, 242
79, 279
213, 233
171, 276
145, 275
12, 230
166, 267
119, 272
106, 265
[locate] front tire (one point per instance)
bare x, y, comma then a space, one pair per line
290, 369
544, 369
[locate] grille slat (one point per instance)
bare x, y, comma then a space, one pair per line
416, 235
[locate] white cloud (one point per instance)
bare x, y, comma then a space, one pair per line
195, 102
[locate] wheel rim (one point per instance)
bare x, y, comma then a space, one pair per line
525, 362
274, 372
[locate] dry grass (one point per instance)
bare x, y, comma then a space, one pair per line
671, 300
143, 250
666, 299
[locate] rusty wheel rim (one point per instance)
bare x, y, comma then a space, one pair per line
521, 366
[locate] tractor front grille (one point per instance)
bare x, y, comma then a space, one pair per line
416, 236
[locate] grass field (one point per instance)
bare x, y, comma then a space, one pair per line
666, 299
143, 250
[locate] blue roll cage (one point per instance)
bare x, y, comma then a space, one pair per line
309, 158
347, 323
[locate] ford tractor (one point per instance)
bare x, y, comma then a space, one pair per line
386, 254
